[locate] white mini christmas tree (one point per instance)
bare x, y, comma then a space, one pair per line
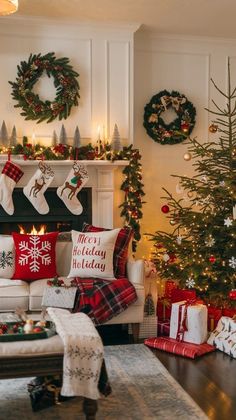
54, 138
4, 135
77, 139
116, 141
13, 138
63, 135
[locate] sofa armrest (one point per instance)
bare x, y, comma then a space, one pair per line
135, 271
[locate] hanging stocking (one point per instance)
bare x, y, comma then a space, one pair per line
76, 179
11, 174
37, 186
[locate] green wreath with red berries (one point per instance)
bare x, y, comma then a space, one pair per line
65, 82
178, 129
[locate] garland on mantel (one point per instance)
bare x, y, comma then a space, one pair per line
131, 207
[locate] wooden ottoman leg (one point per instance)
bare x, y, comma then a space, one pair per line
90, 408
135, 331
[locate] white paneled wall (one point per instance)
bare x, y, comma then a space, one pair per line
185, 65
110, 60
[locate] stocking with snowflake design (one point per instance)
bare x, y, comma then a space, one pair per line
37, 186
76, 179
11, 174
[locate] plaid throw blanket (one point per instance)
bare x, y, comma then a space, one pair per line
101, 299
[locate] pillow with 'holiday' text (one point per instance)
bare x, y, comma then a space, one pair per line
92, 254
7, 257
35, 256
121, 250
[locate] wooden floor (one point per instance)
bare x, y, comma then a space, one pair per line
210, 380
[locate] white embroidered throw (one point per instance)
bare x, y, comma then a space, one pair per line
83, 353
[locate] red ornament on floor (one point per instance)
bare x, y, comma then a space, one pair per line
165, 209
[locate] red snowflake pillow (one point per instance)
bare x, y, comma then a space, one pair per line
35, 256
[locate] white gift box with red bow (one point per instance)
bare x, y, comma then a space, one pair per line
188, 322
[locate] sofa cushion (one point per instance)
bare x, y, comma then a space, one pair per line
7, 257
92, 254
36, 290
35, 256
13, 294
121, 248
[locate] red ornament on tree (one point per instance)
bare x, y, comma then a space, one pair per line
212, 259
232, 294
165, 209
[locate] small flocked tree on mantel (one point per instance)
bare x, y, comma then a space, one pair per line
200, 252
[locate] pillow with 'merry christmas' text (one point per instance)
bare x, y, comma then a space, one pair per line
92, 254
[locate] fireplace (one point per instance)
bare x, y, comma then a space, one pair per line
97, 197
59, 217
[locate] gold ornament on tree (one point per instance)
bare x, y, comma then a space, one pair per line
213, 128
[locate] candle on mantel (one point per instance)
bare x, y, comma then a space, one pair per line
99, 139
103, 137
33, 139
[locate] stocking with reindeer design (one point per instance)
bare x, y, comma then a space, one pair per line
37, 186
76, 179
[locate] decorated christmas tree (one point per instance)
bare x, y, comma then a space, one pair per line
200, 251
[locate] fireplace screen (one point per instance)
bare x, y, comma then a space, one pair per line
59, 218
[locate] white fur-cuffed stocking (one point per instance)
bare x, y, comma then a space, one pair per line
11, 174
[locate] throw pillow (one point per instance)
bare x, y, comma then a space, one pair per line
7, 257
121, 247
35, 256
179, 347
92, 254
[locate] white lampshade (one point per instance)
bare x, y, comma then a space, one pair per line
8, 6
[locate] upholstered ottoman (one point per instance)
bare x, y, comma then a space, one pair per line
37, 358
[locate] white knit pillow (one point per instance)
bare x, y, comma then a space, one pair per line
92, 254
7, 257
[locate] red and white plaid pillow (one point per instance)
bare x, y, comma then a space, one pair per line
121, 248
35, 256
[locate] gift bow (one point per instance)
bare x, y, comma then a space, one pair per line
175, 101
182, 320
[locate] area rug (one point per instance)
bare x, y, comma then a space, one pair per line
142, 390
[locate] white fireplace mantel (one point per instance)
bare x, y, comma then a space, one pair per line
101, 180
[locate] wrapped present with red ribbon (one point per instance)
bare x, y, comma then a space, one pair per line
214, 315
178, 295
169, 286
163, 310
163, 328
188, 322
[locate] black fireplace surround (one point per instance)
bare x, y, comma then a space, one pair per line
58, 219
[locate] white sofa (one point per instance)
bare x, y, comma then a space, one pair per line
28, 295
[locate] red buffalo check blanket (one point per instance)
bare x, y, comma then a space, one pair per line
101, 299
